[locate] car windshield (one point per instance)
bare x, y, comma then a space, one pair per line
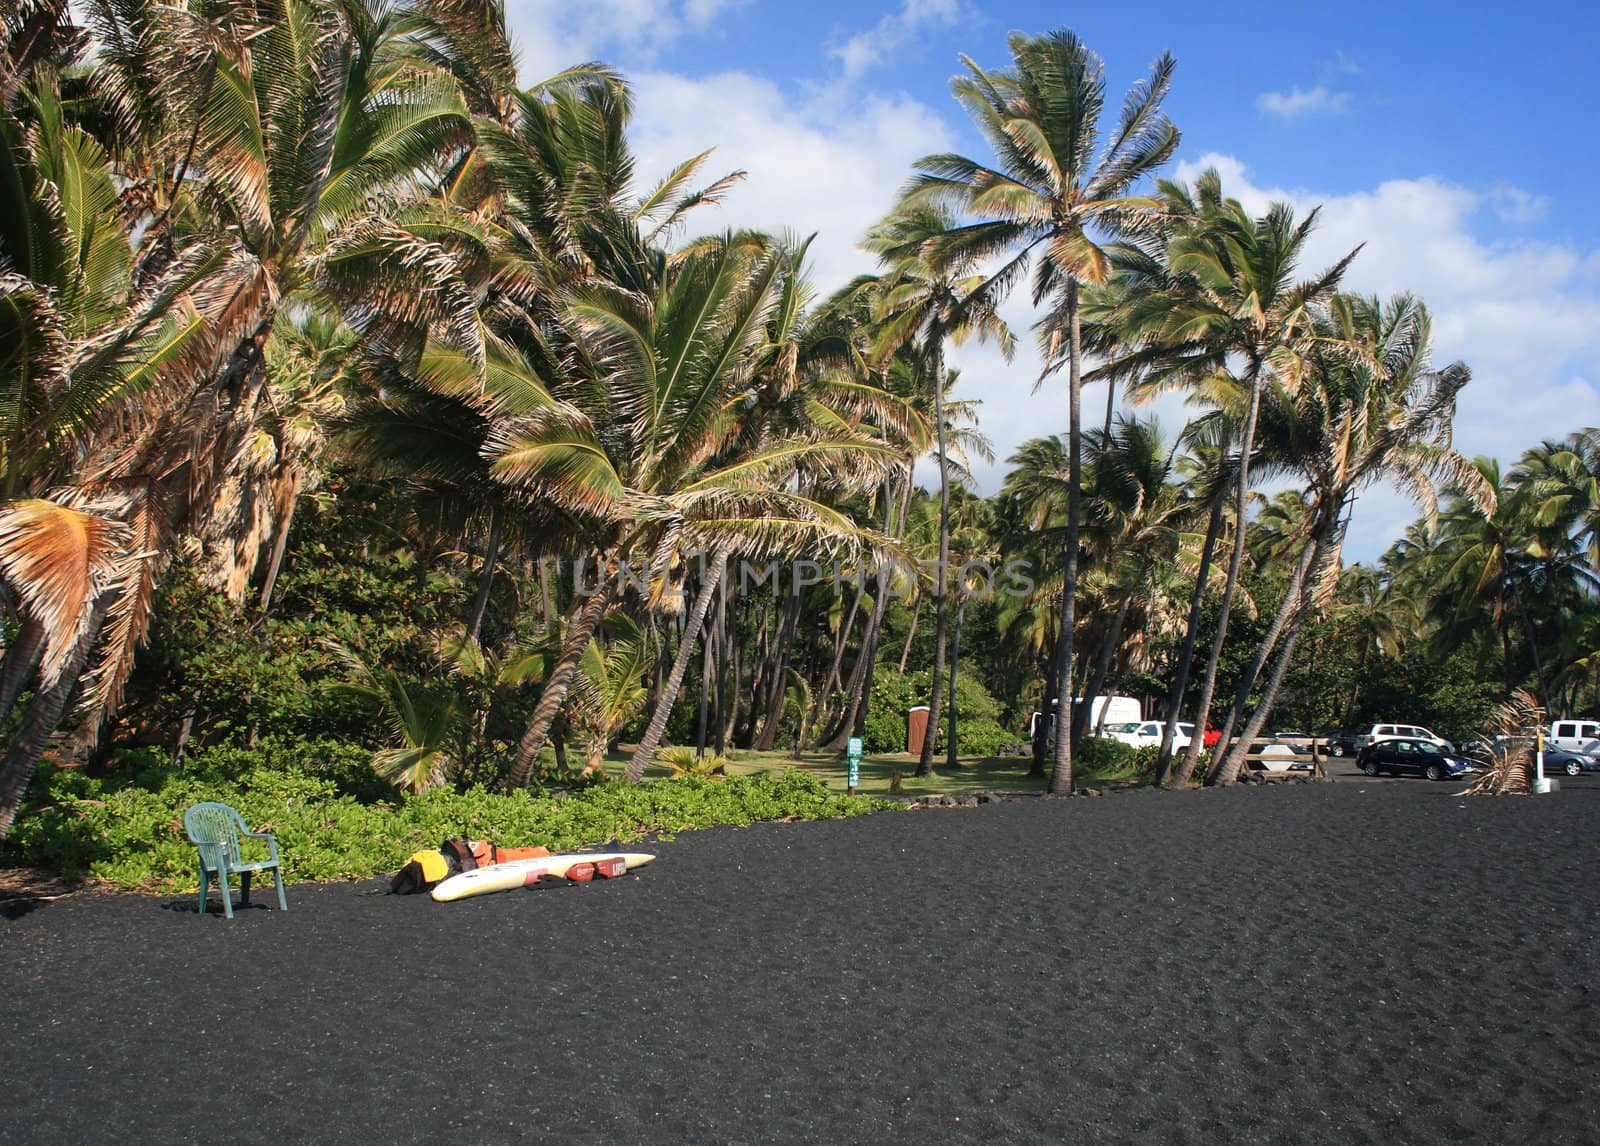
1121, 727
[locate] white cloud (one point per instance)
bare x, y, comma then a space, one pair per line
555, 34
806, 171
1299, 102
861, 51
1523, 315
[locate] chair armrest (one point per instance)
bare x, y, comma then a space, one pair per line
272, 841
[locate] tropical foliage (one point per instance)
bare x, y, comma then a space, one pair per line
354, 387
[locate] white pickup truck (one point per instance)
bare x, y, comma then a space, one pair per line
1575, 735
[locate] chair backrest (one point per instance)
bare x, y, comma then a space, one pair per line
214, 829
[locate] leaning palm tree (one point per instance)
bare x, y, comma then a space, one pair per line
932, 295
633, 446
1371, 409
1231, 317
82, 342
1049, 194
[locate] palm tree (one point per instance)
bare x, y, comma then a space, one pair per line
609, 690
932, 295
1372, 409
1229, 301
634, 447
1048, 193
80, 343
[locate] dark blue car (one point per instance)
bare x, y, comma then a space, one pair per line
1410, 757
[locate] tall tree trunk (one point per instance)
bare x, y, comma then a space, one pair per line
1061, 770
1355, 687
1247, 679
780, 669
1202, 716
911, 633
841, 640
680, 665
1303, 599
22, 658
1191, 633
582, 619
1041, 727
1102, 668
703, 709
725, 636
491, 554
942, 573
280, 545
1533, 645
955, 664
40, 718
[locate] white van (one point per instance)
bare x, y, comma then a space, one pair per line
1106, 710
1574, 735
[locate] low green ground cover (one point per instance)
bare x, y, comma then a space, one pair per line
333, 823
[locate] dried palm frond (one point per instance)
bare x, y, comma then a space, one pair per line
57, 558
1511, 756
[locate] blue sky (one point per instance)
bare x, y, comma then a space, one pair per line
1460, 147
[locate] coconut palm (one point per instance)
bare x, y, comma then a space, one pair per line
1372, 409
81, 342
1229, 320
1049, 193
933, 294
634, 446
609, 690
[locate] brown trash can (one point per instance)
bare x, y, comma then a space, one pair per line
916, 728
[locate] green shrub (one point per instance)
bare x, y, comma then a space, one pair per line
132, 835
1101, 758
977, 713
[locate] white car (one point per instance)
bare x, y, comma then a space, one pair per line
1149, 732
1404, 732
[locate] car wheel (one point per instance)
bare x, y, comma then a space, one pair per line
1573, 768
1335, 749
1434, 772
1370, 768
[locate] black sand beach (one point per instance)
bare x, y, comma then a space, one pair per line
1344, 962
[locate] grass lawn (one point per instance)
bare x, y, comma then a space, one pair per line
976, 774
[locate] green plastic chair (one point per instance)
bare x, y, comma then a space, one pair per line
215, 829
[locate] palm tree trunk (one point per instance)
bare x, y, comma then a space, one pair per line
491, 554
280, 545
1102, 668
40, 718
841, 640
1191, 633
1289, 606
22, 658
1202, 716
1355, 686
1061, 771
1269, 695
724, 635
680, 665
941, 574
955, 664
703, 709
780, 669
1533, 645
582, 620
911, 633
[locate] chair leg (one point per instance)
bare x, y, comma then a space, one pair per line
227, 892
205, 885
283, 904
244, 888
